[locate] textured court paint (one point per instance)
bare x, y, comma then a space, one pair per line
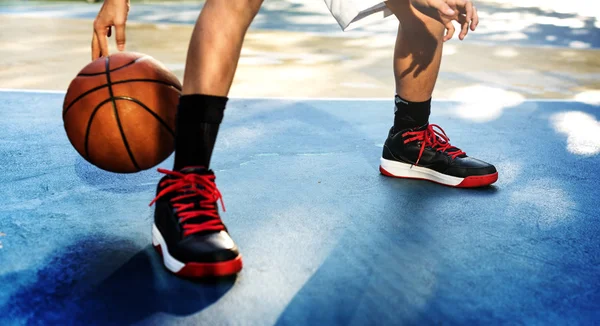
326, 239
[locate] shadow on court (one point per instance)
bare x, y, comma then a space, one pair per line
67, 291
326, 239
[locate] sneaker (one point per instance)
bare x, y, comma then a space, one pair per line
187, 229
425, 153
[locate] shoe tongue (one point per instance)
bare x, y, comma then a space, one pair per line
197, 170
421, 128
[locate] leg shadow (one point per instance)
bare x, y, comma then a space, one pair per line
71, 288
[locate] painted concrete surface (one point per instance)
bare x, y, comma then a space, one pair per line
326, 239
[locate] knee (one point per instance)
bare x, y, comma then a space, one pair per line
398, 7
414, 21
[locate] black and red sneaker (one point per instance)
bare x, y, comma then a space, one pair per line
425, 153
187, 229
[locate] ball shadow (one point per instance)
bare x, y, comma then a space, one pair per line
116, 182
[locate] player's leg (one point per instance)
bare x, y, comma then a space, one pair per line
415, 149
212, 60
418, 52
187, 227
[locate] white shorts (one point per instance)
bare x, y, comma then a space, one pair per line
355, 13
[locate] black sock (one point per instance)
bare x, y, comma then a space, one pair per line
197, 125
408, 115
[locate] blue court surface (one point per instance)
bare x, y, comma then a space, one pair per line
326, 239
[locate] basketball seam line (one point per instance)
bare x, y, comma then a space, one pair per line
115, 83
156, 116
89, 126
114, 103
121, 67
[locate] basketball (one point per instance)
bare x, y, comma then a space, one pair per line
119, 112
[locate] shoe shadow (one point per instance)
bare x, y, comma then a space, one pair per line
72, 287
143, 287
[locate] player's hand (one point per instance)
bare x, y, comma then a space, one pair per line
446, 11
113, 13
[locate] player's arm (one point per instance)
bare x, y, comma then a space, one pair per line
113, 13
445, 11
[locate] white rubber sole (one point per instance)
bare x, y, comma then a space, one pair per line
404, 170
409, 171
171, 263
194, 269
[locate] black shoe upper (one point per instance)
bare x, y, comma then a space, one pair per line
185, 200
431, 149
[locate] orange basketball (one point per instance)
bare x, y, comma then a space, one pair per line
119, 112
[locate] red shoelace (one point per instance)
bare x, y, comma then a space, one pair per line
436, 139
190, 186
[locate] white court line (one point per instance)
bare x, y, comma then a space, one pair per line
43, 91
280, 98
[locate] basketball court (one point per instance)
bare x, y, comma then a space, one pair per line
326, 239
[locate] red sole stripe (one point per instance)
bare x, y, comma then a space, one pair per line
478, 181
198, 270
468, 182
